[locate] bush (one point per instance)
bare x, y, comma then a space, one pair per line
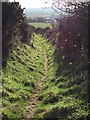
12, 19
72, 44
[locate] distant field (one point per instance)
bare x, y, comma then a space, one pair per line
40, 24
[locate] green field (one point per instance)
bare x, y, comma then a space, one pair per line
40, 24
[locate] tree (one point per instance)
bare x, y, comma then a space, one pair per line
12, 19
72, 44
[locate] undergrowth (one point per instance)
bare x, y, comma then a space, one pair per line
62, 97
20, 77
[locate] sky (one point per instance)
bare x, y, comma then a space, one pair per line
37, 3
31, 3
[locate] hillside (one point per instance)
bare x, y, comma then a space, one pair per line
31, 87
38, 12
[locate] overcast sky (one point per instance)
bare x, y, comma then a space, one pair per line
38, 3
31, 3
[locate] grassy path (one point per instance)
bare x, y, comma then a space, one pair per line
45, 51
34, 100
23, 76
31, 88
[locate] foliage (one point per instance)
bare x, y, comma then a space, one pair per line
24, 69
64, 95
73, 41
68, 6
12, 20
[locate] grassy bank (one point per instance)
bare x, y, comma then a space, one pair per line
62, 97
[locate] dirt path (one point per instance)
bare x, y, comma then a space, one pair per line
34, 100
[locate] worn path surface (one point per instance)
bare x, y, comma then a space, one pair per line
34, 99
